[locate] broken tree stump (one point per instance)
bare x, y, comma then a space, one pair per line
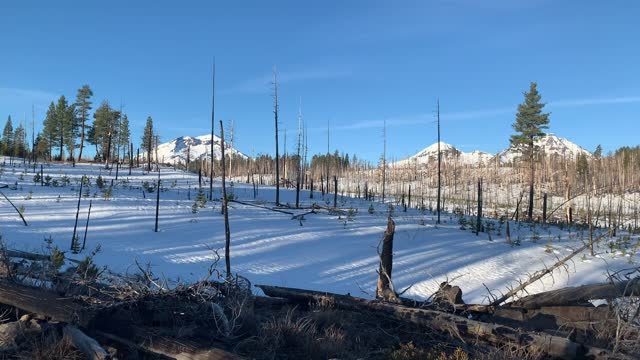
385, 289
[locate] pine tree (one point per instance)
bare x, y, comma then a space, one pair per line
598, 152
7, 138
20, 142
529, 126
124, 134
83, 105
582, 167
105, 129
50, 129
41, 147
59, 126
147, 141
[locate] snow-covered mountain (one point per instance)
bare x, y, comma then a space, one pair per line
196, 148
550, 144
449, 153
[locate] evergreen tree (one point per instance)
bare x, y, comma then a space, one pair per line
598, 152
529, 126
59, 126
124, 135
105, 129
582, 167
147, 141
7, 138
83, 106
20, 142
91, 139
41, 147
50, 129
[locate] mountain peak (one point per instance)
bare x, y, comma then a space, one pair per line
550, 144
197, 147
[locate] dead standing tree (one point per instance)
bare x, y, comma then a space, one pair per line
385, 289
225, 211
275, 113
213, 103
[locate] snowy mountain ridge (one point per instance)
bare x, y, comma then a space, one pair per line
550, 144
194, 148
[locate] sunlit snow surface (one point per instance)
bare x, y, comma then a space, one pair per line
326, 252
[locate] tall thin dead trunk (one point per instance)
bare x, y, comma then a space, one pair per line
275, 112
225, 210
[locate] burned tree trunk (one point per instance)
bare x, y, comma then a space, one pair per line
385, 288
225, 210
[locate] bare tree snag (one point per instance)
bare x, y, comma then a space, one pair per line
275, 113
385, 288
157, 203
225, 210
74, 241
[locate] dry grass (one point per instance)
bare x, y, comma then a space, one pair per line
49, 347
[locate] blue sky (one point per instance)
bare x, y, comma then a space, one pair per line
354, 64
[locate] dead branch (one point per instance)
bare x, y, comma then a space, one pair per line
539, 275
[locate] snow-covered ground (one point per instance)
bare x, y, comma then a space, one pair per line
323, 252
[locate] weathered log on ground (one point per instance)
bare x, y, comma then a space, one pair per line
448, 323
262, 207
127, 349
43, 302
539, 275
33, 256
553, 317
87, 345
579, 295
181, 349
27, 255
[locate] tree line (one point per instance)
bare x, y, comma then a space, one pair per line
68, 129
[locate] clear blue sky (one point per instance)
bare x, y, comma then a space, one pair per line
353, 63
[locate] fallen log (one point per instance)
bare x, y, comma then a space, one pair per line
579, 294
33, 256
127, 349
43, 302
553, 317
262, 207
540, 274
494, 334
181, 349
87, 345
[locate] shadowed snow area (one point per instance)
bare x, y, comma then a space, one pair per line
326, 252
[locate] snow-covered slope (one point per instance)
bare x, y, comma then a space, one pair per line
324, 252
550, 145
475, 157
449, 153
195, 147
